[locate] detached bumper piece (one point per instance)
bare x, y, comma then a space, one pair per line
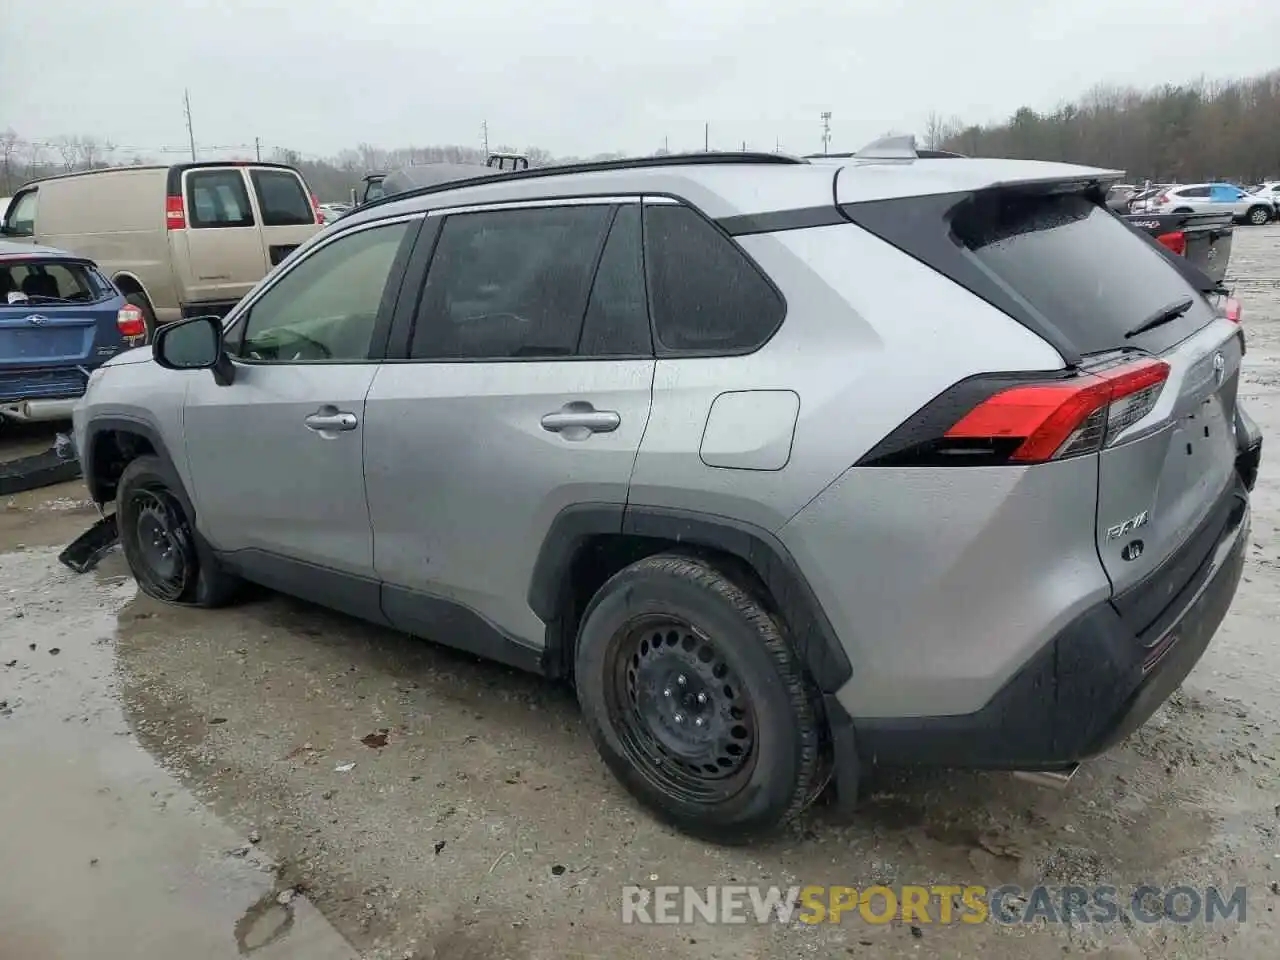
84, 552
1096, 682
37, 470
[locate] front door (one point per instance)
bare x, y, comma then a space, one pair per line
525, 389
224, 257
276, 457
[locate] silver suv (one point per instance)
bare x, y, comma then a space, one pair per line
794, 467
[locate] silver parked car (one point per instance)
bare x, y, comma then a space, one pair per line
794, 467
1245, 207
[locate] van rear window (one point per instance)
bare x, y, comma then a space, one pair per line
281, 198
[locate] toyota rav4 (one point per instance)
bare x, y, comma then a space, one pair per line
794, 467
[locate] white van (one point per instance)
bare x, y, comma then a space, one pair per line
178, 241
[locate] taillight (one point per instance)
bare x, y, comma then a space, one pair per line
1025, 423
1233, 310
175, 217
1175, 241
1161, 200
130, 323
315, 208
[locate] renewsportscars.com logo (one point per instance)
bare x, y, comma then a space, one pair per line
936, 904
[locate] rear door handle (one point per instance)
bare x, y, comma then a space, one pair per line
330, 419
577, 421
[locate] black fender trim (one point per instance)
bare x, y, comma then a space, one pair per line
103, 425
810, 631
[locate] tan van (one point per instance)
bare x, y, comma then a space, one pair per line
178, 241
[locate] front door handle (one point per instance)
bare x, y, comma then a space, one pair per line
578, 420
331, 419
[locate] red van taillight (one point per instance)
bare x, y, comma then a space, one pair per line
315, 208
1233, 310
129, 321
175, 216
985, 422
1175, 241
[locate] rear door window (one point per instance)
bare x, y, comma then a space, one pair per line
510, 284
617, 323
20, 219
281, 198
1080, 267
218, 198
705, 295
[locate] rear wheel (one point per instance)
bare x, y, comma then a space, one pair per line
163, 550
697, 702
1258, 215
140, 301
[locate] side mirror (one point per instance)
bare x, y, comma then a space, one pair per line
194, 344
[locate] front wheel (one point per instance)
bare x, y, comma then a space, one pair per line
1258, 216
159, 543
697, 702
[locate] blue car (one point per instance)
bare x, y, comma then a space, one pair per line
60, 318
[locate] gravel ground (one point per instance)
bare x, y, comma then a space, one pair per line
183, 772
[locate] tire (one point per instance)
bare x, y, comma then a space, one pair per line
140, 301
167, 557
1258, 215
758, 757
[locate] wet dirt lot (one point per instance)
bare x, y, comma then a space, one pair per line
278, 781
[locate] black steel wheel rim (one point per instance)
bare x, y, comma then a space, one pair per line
683, 717
164, 558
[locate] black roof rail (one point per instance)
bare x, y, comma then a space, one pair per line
593, 166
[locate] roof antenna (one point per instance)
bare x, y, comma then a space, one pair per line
896, 147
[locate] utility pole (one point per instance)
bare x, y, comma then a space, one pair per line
777, 144
186, 108
257, 147
744, 146
666, 147
706, 138
826, 130
484, 133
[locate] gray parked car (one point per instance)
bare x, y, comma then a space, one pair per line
794, 467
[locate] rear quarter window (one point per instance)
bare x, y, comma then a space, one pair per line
706, 296
283, 201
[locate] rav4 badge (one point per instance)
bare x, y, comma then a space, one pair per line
1133, 523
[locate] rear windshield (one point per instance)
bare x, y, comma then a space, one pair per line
283, 201
32, 280
1080, 268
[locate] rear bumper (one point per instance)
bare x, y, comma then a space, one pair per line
1095, 683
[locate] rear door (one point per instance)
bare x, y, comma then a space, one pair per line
1169, 451
57, 316
525, 389
223, 257
286, 211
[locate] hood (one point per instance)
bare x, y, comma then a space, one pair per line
136, 355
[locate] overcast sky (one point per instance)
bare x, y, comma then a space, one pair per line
589, 76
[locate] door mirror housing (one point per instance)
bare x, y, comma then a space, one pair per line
194, 344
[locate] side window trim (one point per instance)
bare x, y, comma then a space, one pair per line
400, 341
234, 326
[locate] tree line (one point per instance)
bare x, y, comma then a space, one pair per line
1186, 133
1203, 130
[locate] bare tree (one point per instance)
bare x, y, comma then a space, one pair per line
935, 131
69, 149
10, 144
